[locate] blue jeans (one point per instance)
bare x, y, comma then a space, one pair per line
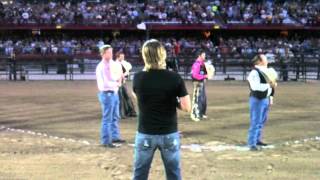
110, 117
264, 121
146, 145
258, 115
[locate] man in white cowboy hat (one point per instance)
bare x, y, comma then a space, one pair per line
262, 82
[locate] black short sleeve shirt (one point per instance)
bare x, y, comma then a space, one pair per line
157, 92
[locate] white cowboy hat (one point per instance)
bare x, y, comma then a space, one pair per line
270, 74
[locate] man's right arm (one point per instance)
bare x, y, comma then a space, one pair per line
185, 103
99, 77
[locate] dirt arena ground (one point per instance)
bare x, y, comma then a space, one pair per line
50, 130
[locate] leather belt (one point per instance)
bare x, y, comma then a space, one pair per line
109, 91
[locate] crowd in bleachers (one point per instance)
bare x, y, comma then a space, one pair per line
104, 13
69, 46
271, 12
178, 11
280, 46
234, 46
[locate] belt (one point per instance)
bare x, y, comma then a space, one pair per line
109, 91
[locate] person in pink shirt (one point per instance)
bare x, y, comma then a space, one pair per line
109, 77
199, 76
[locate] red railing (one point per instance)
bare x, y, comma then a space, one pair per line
159, 26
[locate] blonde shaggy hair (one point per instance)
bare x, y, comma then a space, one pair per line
154, 55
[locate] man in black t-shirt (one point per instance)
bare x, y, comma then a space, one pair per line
159, 93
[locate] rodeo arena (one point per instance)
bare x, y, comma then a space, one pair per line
160, 89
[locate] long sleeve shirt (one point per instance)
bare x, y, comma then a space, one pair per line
109, 75
255, 81
197, 72
127, 66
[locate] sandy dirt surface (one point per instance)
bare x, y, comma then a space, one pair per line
50, 130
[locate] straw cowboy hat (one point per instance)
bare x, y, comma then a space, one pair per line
269, 74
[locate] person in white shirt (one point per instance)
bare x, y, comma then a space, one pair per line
126, 104
109, 78
261, 97
25, 17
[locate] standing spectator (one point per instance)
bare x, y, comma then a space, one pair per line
109, 80
157, 92
25, 17
261, 96
126, 103
199, 76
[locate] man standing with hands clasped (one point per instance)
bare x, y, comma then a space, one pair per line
199, 75
109, 77
159, 93
261, 97
126, 104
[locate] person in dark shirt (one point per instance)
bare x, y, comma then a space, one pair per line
159, 93
126, 104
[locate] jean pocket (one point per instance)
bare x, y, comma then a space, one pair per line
144, 144
171, 143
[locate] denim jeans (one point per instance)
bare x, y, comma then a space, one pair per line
110, 117
146, 145
264, 121
258, 115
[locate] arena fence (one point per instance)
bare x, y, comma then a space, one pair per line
298, 67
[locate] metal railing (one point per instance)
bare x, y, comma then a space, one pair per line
299, 67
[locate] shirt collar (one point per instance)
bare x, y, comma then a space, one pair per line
200, 61
260, 67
